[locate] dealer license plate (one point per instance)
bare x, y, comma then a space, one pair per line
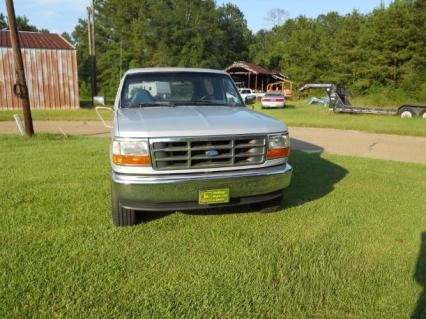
213, 196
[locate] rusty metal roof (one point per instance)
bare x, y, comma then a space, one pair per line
253, 68
37, 40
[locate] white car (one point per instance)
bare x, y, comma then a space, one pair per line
246, 92
273, 100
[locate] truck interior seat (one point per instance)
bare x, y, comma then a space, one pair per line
142, 96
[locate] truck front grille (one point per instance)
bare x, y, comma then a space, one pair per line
207, 152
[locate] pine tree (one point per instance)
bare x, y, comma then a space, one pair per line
151, 33
22, 23
3, 22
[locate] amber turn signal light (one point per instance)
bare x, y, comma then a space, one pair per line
278, 153
130, 160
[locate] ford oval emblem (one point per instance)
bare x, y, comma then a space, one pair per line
212, 153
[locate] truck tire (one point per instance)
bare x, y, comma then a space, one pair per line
121, 216
406, 112
270, 206
423, 114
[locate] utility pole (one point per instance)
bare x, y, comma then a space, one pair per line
121, 60
92, 51
20, 89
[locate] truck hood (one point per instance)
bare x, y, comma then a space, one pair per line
193, 121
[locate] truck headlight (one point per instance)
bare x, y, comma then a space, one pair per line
130, 152
278, 146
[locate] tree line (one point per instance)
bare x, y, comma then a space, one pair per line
382, 51
148, 33
22, 23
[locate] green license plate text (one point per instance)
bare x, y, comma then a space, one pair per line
213, 196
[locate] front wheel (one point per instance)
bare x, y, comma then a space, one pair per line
121, 216
423, 114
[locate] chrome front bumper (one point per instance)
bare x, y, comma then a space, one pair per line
180, 191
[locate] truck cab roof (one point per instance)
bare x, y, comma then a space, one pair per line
172, 69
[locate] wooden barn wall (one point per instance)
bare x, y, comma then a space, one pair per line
52, 79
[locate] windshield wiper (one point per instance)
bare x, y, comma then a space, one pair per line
133, 106
204, 102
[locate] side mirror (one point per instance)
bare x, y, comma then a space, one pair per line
98, 110
250, 99
99, 101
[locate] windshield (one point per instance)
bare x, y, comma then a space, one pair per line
179, 88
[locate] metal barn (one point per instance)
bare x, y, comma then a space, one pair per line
253, 76
50, 67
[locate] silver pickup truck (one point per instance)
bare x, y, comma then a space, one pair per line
184, 139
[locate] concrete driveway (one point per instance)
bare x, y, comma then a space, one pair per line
355, 143
342, 142
84, 128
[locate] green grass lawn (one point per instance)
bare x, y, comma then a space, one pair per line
86, 114
347, 243
297, 113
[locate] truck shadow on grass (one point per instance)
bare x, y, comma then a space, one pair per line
420, 277
313, 178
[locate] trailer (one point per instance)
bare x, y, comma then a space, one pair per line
339, 103
284, 87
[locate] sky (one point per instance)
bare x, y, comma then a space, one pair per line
62, 15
